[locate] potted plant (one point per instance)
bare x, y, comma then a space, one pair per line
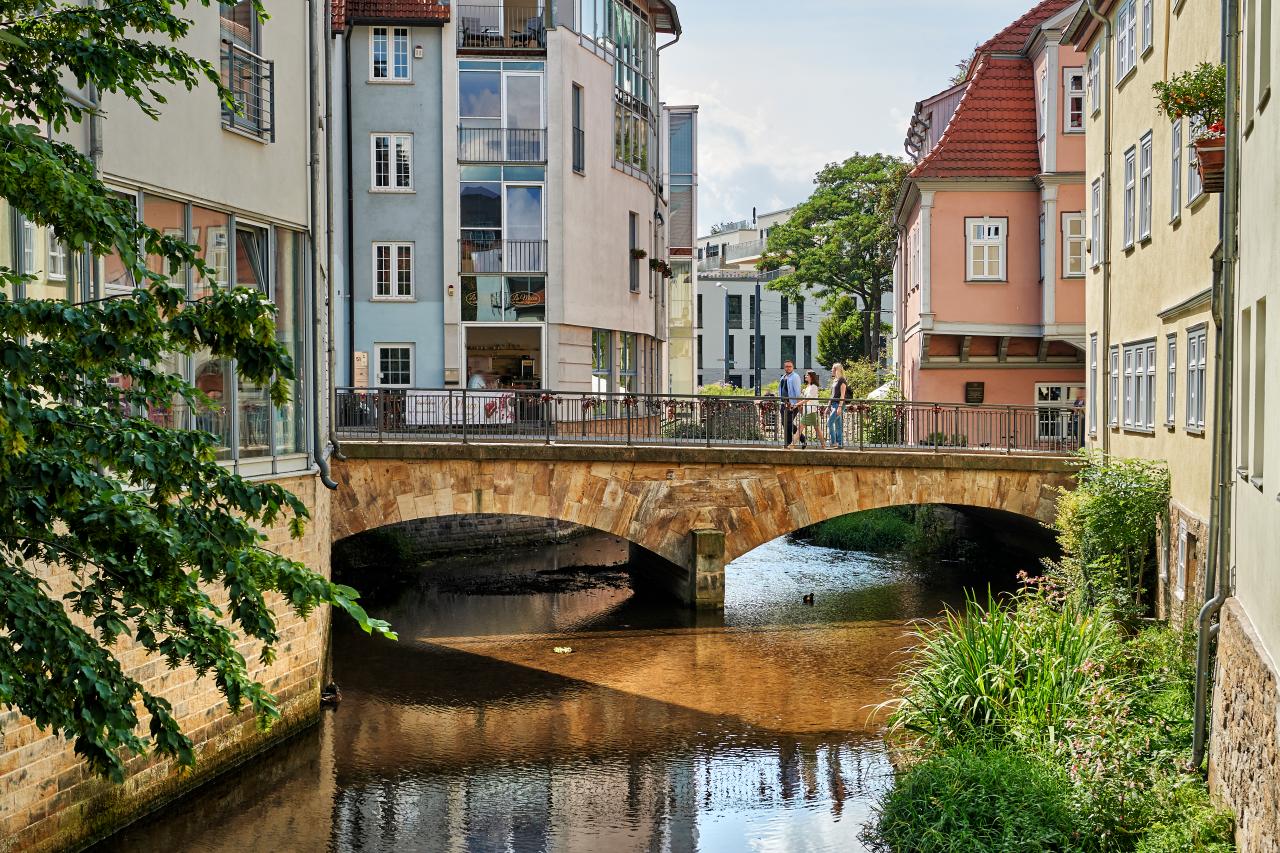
656, 264
1200, 95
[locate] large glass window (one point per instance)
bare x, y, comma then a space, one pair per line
627, 372
601, 361
252, 402
735, 312
524, 247
501, 113
789, 349
291, 327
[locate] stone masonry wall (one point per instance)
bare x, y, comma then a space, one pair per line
457, 533
1244, 745
48, 801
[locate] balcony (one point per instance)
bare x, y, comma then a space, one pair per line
519, 257
501, 27
737, 252
710, 264
502, 145
252, 82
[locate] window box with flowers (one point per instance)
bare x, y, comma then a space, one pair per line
639, 254
1201, 95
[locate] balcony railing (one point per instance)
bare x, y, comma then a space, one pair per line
710, 264
478, 257
252, 82
502, 145
741, 251
501, 27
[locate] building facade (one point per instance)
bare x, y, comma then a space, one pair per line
725, 310
1244, 755
990, 274
1152, 233
682, 189
504, 208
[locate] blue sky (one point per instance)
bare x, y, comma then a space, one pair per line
785, 87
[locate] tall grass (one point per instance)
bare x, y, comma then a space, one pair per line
995, 671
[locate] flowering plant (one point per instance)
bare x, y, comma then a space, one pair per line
1200, 93
639, 254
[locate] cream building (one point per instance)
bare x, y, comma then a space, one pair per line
1152, 233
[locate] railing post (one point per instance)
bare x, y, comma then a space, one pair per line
381, 412
1008, 433
464, 413
707, 416
547, 402
628, 408
861, 419
935, 435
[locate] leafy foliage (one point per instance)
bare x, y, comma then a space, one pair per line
841, 240
1200, 93
162, 543
840, 333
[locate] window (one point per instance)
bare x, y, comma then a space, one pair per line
1073, 108
1072, 244
57, 257
395, 365
389, 53
1130, 193
1140, 385
699, 356
1042, 245
1130, 365
579, 134
1144, 188
633, 241
799, 312
786, 313
1147, 24
1197, 356
1093, 384
602, 361
734, 308
1095, 226
751, 312
699, 310
392, 155
808, 352
1195, 187
1113, 396
1175, 173
392, 270
249, 77
733, 352
1056, 407
985, 248
1095, 73
1126, 39
1171, 379
788, 349
627, 362
1042, 105
1259, 390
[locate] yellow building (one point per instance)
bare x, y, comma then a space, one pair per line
1153, 231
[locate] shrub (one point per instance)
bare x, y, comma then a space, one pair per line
875, 531
967, 801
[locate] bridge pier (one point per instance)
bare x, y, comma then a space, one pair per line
698, 584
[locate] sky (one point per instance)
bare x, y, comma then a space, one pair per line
786, 87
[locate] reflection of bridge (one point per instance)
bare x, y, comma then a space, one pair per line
686, 510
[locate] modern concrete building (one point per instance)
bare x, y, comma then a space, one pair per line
725, 309
1243, 768
989, 278
681, 132
499, 169
1152, 235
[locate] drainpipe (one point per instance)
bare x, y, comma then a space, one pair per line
315, 34
1217, 582
330, 366
351, 202
1091, 6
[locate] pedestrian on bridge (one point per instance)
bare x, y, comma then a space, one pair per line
812, 409
839, 394
789, 393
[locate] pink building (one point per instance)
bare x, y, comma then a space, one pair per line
989, 286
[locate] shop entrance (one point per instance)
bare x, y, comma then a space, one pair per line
504, 356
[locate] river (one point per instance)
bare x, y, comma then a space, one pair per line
657, 730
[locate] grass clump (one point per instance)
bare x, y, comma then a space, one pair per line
874, 531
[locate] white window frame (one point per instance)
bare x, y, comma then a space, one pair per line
1073, 88
1175, 172
1130, 194
1073, 244
395, 143
1171, 380
1148, 26
1042, 103
1195, 186
1197, 360
1095, 79
1001, 240
1056, 419
377, 363
1129, 388
392, 39
1140, 386
1126, 28
57, 261
1093, 384
1145, 179
1044, 263
1095, 226
1113, 414
393, 281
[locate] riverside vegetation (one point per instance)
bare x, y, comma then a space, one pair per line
1058, 718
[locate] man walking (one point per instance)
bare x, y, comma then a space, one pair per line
789, 393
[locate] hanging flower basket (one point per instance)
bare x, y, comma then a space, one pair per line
639, 254
1200, 96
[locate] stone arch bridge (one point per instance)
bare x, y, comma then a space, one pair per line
686, 510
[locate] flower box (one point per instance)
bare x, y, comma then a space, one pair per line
1211, 155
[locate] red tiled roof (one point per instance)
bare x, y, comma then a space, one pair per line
1013, 37
405, 11
993, 131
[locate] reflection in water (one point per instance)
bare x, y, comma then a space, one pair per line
659, 732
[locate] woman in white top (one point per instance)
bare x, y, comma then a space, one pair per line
812, 416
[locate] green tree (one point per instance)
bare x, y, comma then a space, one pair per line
840, 333
841, 241
148, 529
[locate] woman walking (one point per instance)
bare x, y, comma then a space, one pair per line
812, 416
839, 394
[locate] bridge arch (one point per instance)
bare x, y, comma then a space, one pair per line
692, 507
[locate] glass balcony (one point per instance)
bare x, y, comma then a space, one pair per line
500, 26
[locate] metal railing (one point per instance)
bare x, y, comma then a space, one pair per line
502, 145
711, 264
741, 251
479, 256
252, 82
464, 415
500, 27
